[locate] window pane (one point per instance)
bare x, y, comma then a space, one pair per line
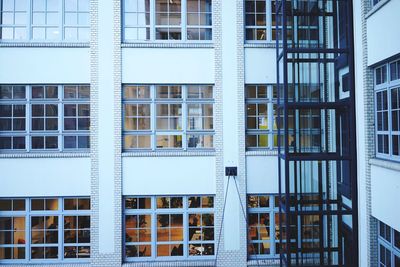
5, 205
397, 239
5, 92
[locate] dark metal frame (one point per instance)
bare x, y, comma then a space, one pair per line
337, 169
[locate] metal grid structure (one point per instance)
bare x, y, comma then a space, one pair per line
317, 144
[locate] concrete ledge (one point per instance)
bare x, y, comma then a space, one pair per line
187, 263
43, 44
30, 264
262, 152
45, 155
392, 165
260, 45
263, 262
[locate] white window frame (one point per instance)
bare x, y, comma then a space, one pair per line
183, 26
273, 210
61, 25
268, 21
153, 132
154, 211
387, 86
375, 2
59, 133
60, 213
270, 101
389, 246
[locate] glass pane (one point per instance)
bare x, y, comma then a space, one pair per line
51, 204
37, 204
18, 204
5, 92
51, 110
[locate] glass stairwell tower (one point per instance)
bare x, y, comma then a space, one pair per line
317, 144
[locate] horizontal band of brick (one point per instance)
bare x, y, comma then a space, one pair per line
262, 153
48, 265
45, 155
170, 264
44, 44
264, 262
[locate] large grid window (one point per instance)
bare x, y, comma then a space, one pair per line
44, 229
44, 20
44, 118
389, 246
160, 227
178, 20
13, 19
168, 117
387, 110
263, 227
261, 125
260, 23
256, 19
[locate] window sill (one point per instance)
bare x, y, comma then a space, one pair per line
44, 264
207, 153
262, 152
183, 263
263, 262
260, 45
375, 8
167, 45
388, 164
45, 155
44, 44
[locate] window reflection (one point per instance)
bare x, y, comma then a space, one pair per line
174, 216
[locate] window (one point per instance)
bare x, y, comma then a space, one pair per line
44, 118
260, 20
160, 117
389, 246
50, 229
263, 222
44, 20
374, 2
160, 227
14, 17
150, 20
256, 19
387, 110
261, 125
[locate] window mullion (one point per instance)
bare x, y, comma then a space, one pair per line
184, 117
29, 22
153, 20
61, 20
27, 230
153, 117
183, 20
389, 117
28, 117
60, 119
268, 20
153, 228
185, 230
60, 230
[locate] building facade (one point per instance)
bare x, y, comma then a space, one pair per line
118, 119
